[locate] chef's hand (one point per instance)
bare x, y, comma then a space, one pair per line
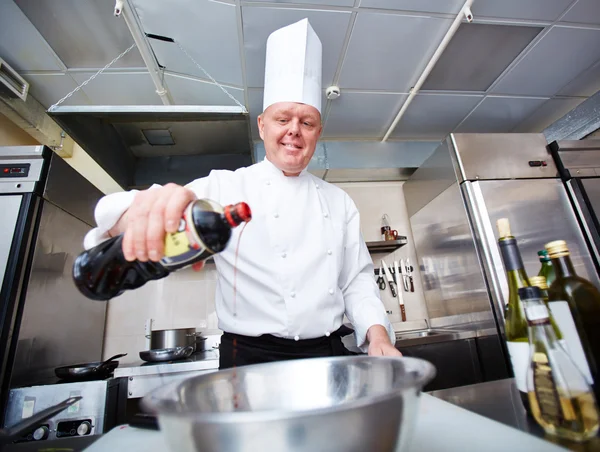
153, 213
379, 342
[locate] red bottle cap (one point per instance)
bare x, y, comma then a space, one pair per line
237, 213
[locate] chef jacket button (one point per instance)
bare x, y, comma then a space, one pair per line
325, 214
327, 333
330, 291
318, 186
268, 182
276, 215
329, 252
292, 294
296, 338
284, 255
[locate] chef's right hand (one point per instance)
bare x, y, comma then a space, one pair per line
153, 213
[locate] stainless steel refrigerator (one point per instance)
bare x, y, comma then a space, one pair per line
454, 201
47, 208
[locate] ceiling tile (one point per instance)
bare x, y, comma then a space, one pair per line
47, 89
547, 114
259, 23
119, 88
395, 48
428, 6
499, 114
83, 33
585, 84
26, 50
255, 103
466, 65
188, 91
362, 115
547, 10
206, 29
584, 11
348, 3
434, 115
554, 61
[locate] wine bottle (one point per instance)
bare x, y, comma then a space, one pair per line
540, 283
561, 401
575, 304
547, 270
102, 272
515, 326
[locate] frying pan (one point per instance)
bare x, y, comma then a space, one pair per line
89, 371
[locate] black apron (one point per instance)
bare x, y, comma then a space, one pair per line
237, 350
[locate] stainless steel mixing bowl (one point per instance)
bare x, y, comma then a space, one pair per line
357, 403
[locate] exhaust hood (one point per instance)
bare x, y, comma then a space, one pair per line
142, 145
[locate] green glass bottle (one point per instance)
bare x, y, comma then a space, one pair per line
515, 326
547, 270
575, 304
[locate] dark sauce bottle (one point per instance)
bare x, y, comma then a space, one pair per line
102, 272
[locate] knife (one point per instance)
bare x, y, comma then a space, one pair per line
400, 297
403, 270
388, 275
409, 273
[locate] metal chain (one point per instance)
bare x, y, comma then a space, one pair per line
210, 77
121, 55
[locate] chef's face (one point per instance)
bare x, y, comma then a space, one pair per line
290, 131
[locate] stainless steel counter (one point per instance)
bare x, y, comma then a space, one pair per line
499, 400
145, 377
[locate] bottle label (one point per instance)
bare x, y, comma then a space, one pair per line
566, 324
184, 247
510, 254
519, 357
537, 314
545, 390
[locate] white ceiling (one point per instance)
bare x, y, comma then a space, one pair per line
374, 49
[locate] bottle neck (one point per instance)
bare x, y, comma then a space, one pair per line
563, 267
513, 262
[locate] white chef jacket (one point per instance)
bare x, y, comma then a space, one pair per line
302, 260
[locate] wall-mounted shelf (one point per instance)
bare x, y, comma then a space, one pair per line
386, 246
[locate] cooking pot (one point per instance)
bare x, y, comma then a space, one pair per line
173, 338
338, 404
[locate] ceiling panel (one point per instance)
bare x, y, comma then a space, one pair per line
259, 23
466, 65
521, 9
429, 6
434, 115
188, 91
26, 50
83, 33
395, 48
119, 88
49, 88
553, 62
499, 114
362, 115
206, 29
548, 113
348, 3
585, 11
585, 84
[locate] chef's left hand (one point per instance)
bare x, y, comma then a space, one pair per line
379, 342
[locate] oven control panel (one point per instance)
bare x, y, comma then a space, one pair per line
14, 170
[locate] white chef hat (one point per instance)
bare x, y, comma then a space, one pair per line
293, 66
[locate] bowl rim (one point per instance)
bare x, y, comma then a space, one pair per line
150, 403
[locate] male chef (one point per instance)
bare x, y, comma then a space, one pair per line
302, 261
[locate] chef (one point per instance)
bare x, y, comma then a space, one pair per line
302, 262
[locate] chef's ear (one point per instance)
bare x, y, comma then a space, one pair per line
261, 126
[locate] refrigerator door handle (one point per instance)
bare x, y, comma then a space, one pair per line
486, 246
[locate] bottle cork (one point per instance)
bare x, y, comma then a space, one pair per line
503, 226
